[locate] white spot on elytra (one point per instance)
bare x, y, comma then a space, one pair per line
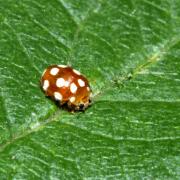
66, 84
45, 85
76, 71
62, 66
58, 96
72, 99
60, 82
73, 88
88, 88
81, 83
54, 71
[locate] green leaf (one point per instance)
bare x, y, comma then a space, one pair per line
129, 50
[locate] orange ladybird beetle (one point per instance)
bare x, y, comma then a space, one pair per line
67, 86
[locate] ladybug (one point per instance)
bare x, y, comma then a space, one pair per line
67, 86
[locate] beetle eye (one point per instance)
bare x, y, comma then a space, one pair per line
81, 106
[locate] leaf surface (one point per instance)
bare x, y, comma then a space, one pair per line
129, 50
